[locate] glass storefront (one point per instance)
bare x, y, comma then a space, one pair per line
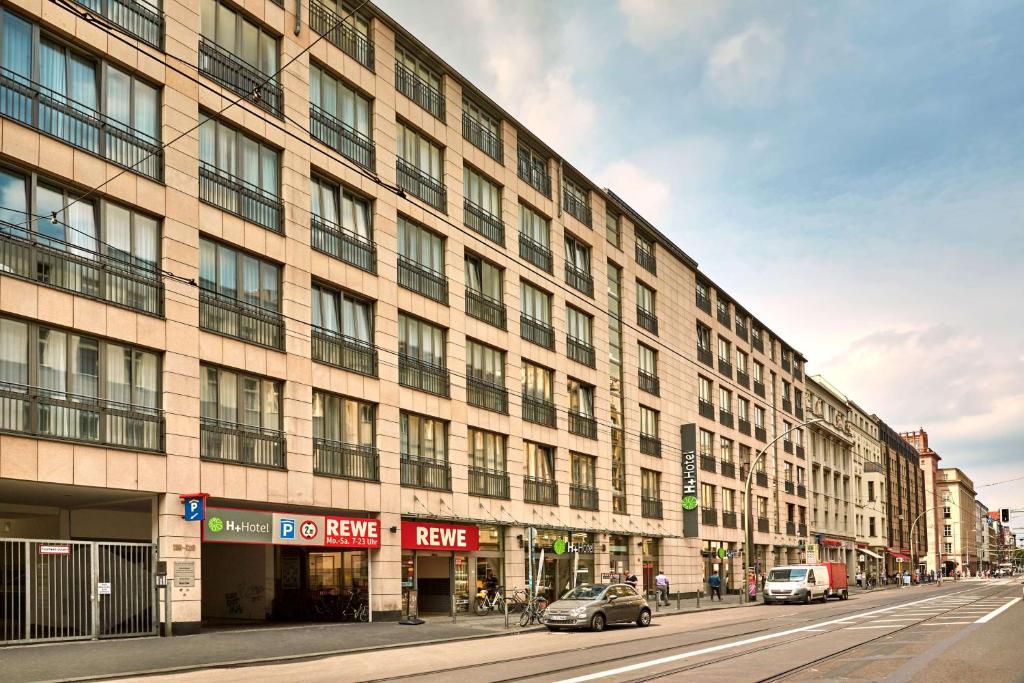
651, 554
568, 561
618, 557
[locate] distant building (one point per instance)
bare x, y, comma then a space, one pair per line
929, 462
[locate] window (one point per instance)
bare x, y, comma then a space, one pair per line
340, 116
352, 36
707, 440
787, 468
540, 461
724, 400
342, 224
536, 303
235, 289
418, 81
707, 495
584, 470
482, 195
704, 389
644, 298
649, 422
538, 382
704, 340
533, 168
946, 513
485, 290
798, 437
535, 238
486, 450
481, 129
576, 200
741, 362
947, 530
703, 296
420, 247
723, 311
743, 409
579, 337
647, 359
612, 229
786, 391
581, 398
947, 548
726, 450
724, 350
341, 313
239, 173
759, 417
728, 500
344, 420
420, 341
421, 166
762, 507
237, 410
423, 438
645, 252
239, 55
758, 372
650, 484
485, 363
786, 428
577, 265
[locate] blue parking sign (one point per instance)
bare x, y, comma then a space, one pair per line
195, 509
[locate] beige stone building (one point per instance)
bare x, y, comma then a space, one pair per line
933, 509
959, 549
382, 329
869, 485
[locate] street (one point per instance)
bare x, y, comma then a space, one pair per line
962, 629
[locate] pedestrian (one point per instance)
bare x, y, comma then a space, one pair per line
764, 578
752, 587
860, 579
715, 583
661, 583
631, 579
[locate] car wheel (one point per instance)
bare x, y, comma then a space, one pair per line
807, 598
644, 619
597, 623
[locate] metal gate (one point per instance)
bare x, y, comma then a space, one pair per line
74, 590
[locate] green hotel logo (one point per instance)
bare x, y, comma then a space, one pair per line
560, 546
689, 502
215, 524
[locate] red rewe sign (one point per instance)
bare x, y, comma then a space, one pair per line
352, 532
430, 536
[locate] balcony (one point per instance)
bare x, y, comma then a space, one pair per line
423, 280
481, 138
791, 528
416, 374
650, 507
345, 460
725, 418
705, 357
800, 452
583, 497
138, 19
582, 425
728, 469
241, 444
419, 91
797, 373
488, 483
342, 351
723, 317
239, 197
759, 388
706, 409
536, 332
646, 260
619, 503
576, 208
757, 343
62, 416
787, 405
342, 138
483, 307
785, 363
802, 530
743, 426
540, 491
647, 320
539, 411
801, 490
73, 269
743, 379
483, 222
798, 410
728, 519
426, 474
761, 478
535, 175
707, 463
649, 383
787, 445
241, 78
535, 253
579, 280
422, 185
650, 445
789, 486
326, 22
241, 320
724, 367
709, 516
56, 115
741, 330
762, 525
703, 302
580, 351
760, 434
354, 249
486, 395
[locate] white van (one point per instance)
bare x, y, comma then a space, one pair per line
796, 583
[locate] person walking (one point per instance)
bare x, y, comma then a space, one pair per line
661, 583
631, 579
715, 583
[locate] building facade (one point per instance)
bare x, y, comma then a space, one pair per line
959, 552
907, 502
376, 324
929, 462
983, 536
869, 476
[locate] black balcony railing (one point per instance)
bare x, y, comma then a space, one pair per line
791, 528
483, 307
345, 460
801, 490
535, 175
723, 317
575, 207
138, 19
650, 445
787, 405
326, 22
419, 91
648, 382
798, 411
619, 503
647, 320
426, 474
724, 367
728, 469
580, 351
703, 302
789, 486
59, 415
535, 253
760, 434
646, 260
802, 529
743, 379
486, 395
709, 516
787, 445
80, 271
350, 247
342, 138
757, 343
482, 138
423, 280
743, 426
761, 478
707, 463
800, 452
725, 418
488, 483
422, 185
582, 425
741, 330
417, 374
650, 507
234, 318
241, 444
57, 115
241, 77
536, 331
705, 357
344, 352
579, 280
583, 497
759, 388
539, 411
762, 525
706, 409
540, 491
237, 196
484, 222
728, 519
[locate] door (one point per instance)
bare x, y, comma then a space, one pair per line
618, 610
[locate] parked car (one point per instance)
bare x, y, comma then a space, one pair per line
806, 582
595, 605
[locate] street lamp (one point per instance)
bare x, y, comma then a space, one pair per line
749, 517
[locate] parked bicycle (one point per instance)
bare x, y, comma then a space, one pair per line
533, 610
355, 608
499, 601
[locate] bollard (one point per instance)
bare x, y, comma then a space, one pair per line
455, 609
699, 591
679, 601
505, 603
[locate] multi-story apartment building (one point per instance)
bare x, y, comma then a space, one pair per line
907, 506
983, 536
959, 552
832, 491
355, 312
869, 484
932, 520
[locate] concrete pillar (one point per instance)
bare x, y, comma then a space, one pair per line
179, 543
386, 570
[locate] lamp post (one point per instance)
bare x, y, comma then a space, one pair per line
748, 513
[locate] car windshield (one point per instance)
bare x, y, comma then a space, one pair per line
787, 574
585, 592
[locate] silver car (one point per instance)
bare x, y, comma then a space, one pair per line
595, 605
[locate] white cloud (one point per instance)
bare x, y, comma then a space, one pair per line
745, 69
652, 23
642, 189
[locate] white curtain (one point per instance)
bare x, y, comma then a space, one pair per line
84, 366
356, 320
52, 360
13, 352
208, 394
146, 241
533, 226
579, 325
146, 378
118, 372
250, 280
81, 218
17, 46
325, 310
269, 278
536, 304
119, 96
147, 105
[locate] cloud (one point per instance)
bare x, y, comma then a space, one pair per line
745, 69
653, 23
643, 190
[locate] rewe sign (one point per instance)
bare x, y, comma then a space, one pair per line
429, 536
352, 533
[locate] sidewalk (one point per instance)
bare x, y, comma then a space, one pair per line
90, 660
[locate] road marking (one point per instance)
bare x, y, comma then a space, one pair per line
858, 628
946, 623
994, 613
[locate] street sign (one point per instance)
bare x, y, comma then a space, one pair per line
55, 550
195, 509
103, 588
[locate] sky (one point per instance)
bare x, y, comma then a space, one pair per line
851, 172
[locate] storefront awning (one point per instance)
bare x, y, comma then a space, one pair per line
900, 558
868, 552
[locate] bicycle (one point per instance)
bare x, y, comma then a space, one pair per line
485, 603
355, 609
533, 610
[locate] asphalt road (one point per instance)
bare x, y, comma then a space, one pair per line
965, 630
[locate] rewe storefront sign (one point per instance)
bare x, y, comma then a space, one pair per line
230, 525
432, 536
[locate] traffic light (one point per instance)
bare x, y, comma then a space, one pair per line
1004, 515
